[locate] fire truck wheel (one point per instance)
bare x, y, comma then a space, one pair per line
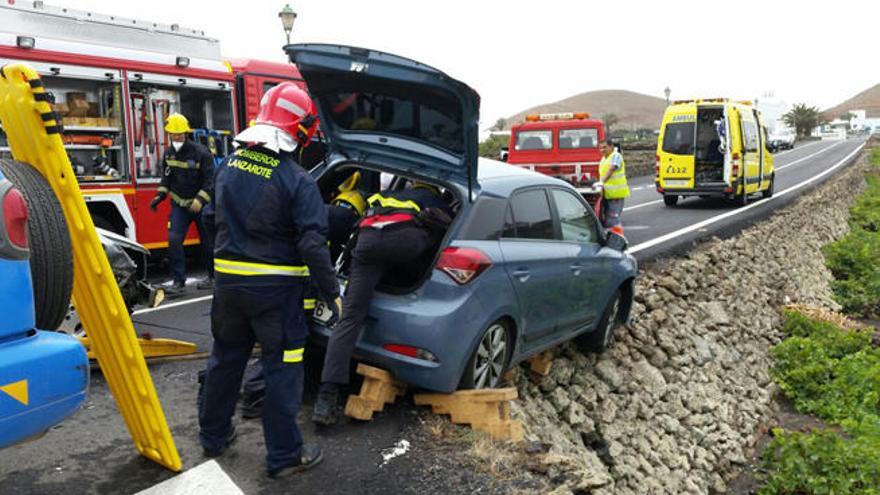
49, 241
670, 199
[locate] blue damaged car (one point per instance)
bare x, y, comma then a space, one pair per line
524, 266
43, 374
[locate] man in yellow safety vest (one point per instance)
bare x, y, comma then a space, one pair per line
612, 171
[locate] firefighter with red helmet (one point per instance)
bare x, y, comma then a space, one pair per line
270, 225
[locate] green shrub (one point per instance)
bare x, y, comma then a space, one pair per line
855, 262
865, 212
835, 374
822, 463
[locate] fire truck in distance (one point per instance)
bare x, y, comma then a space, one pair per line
562, 145
114, 80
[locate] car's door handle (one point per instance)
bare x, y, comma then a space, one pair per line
576, 269
521, 274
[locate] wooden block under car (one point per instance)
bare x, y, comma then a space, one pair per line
379, 388
60, 109
485, 410
541, 363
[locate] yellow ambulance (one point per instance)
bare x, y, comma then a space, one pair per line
713, 148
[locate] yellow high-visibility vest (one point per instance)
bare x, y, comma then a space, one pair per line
615, 187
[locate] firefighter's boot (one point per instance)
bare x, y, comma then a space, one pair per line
326, 411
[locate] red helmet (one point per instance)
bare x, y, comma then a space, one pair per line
290, 109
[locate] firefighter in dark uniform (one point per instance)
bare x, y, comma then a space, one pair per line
270, 233
187, 176
390, 235
343, 213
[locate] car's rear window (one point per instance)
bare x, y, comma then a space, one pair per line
533, 140
430, 116
578, 138
678, 138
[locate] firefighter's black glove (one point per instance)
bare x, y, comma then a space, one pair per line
158, 198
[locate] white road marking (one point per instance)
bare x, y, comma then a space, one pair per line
711, 220
799, 148
207, 478
172, 305
823, 150
633, 207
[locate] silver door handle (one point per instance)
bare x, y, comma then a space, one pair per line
521, 274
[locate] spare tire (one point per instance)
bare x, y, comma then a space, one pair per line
51, 251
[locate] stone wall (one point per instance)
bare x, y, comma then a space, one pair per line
675, 404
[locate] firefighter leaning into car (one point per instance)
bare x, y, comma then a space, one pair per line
187, 176
392, 232
612, 173
270, 234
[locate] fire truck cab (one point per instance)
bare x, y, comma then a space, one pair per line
112, 81
562, 145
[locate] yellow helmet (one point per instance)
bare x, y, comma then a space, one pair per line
352, 199
177, 124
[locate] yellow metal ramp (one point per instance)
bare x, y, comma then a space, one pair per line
34, 136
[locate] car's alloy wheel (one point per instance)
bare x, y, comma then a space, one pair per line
610, 323
491, 357
603, 336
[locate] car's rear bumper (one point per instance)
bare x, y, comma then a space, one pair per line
46, 376
711, 190
444, 320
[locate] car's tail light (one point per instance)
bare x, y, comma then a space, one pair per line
463, 264
410, 351
656, 165
735, 165
15, 216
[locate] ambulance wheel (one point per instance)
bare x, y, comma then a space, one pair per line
768, 193
50, 248
602, 336
670, 199
742, 199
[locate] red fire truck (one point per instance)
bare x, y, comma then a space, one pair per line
562, 145
114, 80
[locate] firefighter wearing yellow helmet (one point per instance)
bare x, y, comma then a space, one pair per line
187, 175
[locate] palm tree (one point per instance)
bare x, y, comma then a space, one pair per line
802, 118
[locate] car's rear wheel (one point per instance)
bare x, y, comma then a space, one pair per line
742, 199
670, 199
603, 336
51, 255
490, 359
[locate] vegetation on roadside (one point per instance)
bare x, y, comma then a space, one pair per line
491, 147
834, 374
802, 119
855, 259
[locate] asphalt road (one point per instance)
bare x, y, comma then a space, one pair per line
92, 453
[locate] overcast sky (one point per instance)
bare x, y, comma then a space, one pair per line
517, 54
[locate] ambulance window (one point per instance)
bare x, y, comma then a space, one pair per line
533, 140
578, 138
750, 134
678, 138
531, 215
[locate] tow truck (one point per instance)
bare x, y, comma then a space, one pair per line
561, 145
44, 375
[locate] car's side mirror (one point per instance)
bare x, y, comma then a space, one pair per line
616, 241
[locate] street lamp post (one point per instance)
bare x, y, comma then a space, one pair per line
667, 92
287, 16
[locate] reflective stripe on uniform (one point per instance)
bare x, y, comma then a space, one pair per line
189, 164
615, 187
293, 355
309, 303
204, 195
185, 203
393, 203
247, 268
